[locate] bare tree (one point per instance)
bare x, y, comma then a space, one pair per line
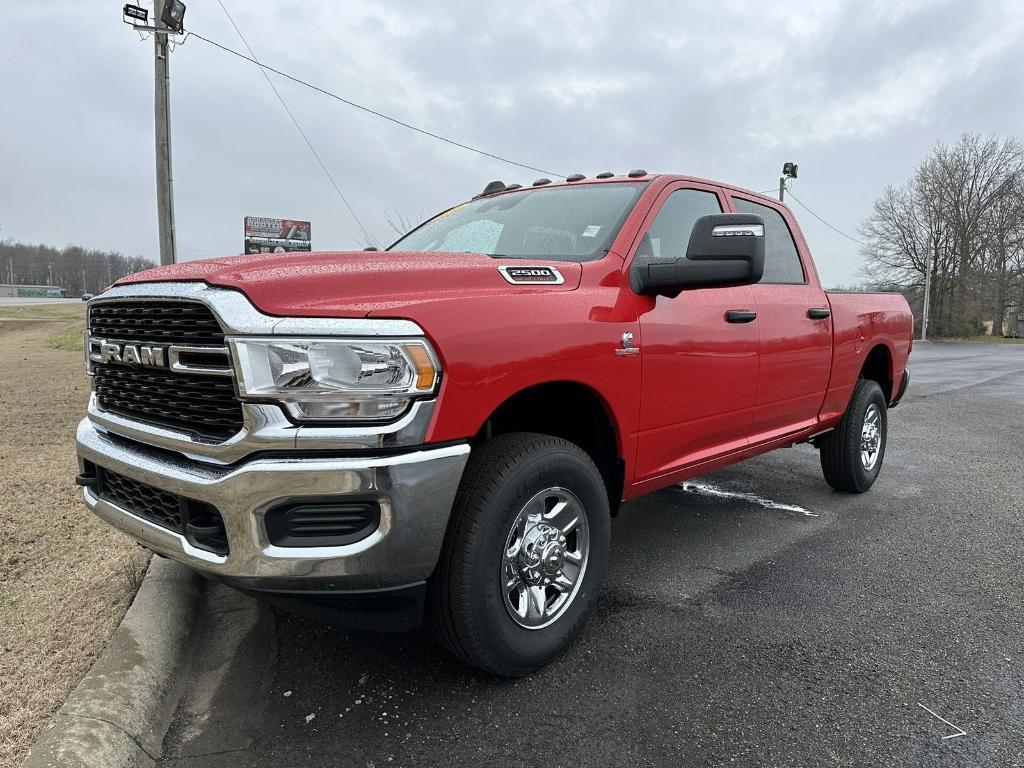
960, 217
77, 270
399, 224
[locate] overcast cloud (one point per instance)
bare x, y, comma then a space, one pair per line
855, 92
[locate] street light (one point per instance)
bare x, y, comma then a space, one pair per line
173, 15
788, 172
135, 14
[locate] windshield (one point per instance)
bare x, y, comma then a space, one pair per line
576, 223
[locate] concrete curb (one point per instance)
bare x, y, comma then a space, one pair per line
118, 715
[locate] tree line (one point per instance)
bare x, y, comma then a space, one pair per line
960, 218
76, 270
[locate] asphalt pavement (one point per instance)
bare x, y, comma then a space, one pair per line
753, 618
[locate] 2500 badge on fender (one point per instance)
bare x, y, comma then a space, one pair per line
445, 430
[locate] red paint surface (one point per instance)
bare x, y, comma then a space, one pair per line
703, 393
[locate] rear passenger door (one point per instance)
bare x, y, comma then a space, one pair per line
795, 333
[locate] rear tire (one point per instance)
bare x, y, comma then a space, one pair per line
513, 524
852, 453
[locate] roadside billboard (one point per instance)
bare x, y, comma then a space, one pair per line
266, 235
32, 291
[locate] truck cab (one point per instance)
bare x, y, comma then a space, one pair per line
444, 428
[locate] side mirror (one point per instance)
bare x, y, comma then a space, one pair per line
724, 249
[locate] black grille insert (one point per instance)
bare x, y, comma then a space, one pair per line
322, 522
200, 523
156, 322
203, 405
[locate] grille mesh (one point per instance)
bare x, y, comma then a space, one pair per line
203, 405
200, 524
157, 322
148, 502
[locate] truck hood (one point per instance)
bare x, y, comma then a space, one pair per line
356, 283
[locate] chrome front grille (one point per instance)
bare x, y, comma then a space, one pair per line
200, 403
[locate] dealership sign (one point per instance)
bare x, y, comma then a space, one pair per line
263, 235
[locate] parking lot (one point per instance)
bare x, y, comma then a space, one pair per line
789, 626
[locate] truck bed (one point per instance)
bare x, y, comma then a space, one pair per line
862, 322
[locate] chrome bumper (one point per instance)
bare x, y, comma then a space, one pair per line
415, 491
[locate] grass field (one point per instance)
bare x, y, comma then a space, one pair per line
66, 577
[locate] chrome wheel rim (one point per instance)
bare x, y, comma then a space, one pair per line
545, 558
870, 437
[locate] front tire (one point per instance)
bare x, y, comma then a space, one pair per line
525, 554
852, 453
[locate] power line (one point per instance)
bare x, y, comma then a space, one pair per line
834, 229
374, 112
298, 127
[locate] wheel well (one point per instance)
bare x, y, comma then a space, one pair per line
878, 367
572, 412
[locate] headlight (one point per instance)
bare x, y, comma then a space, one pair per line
336, 379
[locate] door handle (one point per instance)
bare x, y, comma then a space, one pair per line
819, 313
740, 316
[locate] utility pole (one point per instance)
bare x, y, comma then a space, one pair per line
927, 296
85, 288
162, 109
50, 279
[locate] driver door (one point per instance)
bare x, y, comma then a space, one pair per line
699, 363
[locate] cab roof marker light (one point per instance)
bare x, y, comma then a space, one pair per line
493, 188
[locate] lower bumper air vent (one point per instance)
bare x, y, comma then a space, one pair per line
200, 523
322, 523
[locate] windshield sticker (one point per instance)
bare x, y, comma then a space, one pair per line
591, 231
450, 211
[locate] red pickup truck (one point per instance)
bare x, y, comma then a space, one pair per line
447, 427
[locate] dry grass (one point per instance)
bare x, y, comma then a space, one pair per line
72, 341
66, 578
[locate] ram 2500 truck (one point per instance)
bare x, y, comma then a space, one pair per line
446, 428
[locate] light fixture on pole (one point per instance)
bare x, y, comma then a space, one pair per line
788, 172
173, 15
135, 14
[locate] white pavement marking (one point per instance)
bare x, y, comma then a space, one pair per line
720, 493
962, 732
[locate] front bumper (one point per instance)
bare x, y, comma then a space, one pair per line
415, 491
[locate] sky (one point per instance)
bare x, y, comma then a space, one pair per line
856, 92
